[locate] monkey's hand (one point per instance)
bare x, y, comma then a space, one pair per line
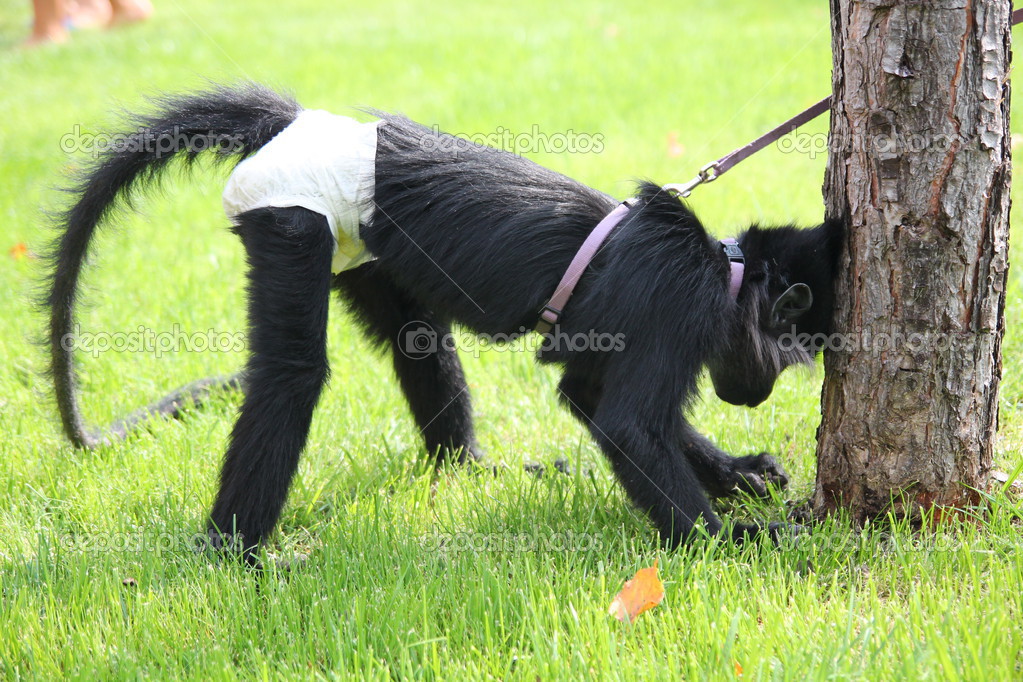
753, 473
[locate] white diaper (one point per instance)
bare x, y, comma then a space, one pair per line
323, 162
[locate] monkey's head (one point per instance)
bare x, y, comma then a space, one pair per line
785, 307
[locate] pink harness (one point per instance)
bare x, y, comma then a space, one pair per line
552, 311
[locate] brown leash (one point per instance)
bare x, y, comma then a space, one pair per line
715, 169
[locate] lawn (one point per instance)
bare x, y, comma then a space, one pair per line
462, 577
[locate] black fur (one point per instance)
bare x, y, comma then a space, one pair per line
470, 235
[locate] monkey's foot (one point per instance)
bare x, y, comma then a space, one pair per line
229, 546
780, 533
560, 466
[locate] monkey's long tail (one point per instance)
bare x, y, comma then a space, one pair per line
232, 123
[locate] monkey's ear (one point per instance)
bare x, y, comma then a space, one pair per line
791, 305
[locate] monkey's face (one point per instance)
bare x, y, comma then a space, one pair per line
763, 345
782, 301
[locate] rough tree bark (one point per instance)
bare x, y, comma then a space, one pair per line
919, 169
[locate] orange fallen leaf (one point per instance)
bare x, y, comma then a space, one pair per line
20, 251
738, 669
643, 592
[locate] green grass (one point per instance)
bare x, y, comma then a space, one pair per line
473, 578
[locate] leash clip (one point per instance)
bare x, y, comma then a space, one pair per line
732, 251
708, 173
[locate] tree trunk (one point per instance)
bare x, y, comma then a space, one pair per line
919, 169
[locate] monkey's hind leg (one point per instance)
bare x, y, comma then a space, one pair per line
428, 369
289, 252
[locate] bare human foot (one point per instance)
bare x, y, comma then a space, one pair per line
90, 13
48, 23
130, 11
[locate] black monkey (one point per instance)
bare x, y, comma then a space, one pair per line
462, 233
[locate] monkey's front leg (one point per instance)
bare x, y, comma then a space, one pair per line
722, 474
642, 447
640, 429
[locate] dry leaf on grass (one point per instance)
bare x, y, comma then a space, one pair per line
20, 251
643, 592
